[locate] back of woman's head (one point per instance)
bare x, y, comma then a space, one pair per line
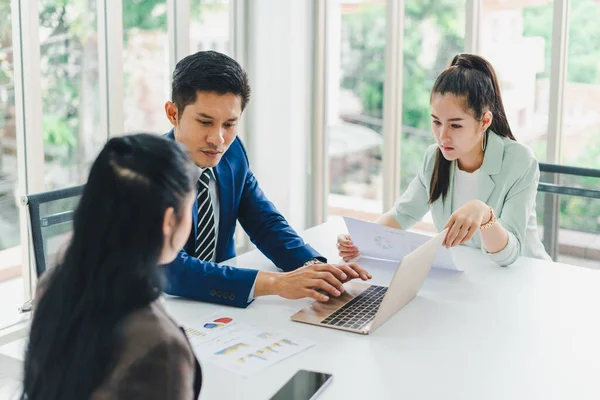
110, 266
473, 78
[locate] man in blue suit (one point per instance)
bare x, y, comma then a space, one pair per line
209, 92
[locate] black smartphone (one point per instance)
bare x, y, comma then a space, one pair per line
304, 385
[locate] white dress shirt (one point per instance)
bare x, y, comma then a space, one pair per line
465, 190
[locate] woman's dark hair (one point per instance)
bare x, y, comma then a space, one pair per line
208, 71
473, 78
110, 267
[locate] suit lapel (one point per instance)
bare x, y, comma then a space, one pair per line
192, 240
486, 186
224, 176
492, 163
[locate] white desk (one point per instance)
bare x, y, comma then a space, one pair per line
529, 331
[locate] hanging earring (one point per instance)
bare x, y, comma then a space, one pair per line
484, 141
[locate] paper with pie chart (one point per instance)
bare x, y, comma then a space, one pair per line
241, 348
384, 243
208, 328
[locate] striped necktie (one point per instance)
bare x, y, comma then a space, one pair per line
205, 237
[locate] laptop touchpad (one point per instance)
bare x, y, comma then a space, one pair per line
351, 290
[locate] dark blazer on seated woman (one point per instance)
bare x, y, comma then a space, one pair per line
155, 360
99, 330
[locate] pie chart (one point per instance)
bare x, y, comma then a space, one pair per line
217, 323
383, 242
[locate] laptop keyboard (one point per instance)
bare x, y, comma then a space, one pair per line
359, 311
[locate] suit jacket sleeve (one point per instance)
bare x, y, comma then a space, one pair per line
413, 204
165, 372
205, 281
269, 230
518, 204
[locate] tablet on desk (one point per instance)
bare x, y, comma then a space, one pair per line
304, 385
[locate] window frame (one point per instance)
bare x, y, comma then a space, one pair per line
317, 204
28, 98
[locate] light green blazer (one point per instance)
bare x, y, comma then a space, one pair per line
508, 182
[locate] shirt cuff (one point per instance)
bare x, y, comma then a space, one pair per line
406, 222
507, 255
312, 261
251, 294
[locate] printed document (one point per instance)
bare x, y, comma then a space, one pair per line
238, 347
384, 243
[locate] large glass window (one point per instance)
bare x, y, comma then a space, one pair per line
209, 26
516, 37
433, 34
70, 90
11, 284
581, 114
579, 219
522, 30
356, 70
145, 66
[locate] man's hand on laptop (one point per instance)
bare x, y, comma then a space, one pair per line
318, 281
346, 249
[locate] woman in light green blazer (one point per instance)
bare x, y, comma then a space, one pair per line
477, 180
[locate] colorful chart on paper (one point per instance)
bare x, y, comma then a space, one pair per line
241, 348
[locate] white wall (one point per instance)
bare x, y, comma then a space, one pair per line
278, 119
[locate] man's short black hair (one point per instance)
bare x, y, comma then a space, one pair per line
208, 71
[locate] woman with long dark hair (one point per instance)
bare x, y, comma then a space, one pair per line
477, 180
99, 330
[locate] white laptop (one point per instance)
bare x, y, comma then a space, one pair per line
362, 307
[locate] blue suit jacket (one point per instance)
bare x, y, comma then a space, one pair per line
240, 198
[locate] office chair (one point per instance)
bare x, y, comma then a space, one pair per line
50, 221
550, 184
